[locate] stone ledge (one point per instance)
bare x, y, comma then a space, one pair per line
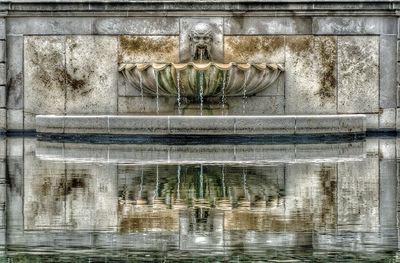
181, 154
201, 125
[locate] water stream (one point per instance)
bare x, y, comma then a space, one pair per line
141, 92
201, 93
178, 96
157, 91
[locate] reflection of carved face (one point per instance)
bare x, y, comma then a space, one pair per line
201, 37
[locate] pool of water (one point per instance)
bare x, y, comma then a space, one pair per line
66, 202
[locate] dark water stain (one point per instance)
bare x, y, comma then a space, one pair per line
300, 44
240, 46
327, 53
146, 45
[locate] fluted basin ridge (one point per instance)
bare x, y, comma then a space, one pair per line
195, 80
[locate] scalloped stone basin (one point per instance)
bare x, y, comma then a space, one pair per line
201, 80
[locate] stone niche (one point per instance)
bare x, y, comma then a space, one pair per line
328, 73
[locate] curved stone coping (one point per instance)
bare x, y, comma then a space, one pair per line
200, 125
140, 154
200, 66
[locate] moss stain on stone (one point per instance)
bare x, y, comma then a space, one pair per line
327, 52
300, 44
147, 45
240, 48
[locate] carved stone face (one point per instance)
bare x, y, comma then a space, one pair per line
201, 37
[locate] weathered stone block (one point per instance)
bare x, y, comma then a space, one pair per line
91, 74
3, 96
85, 124
387, 119
254, 49
15, 150
147, 105
2, 74
49, 25
398, 119
387, 149
2, 28
15, 119
372, 121
138, 125
50, 124
354, 25
358, 181
270, 125
241, 25
45, 78
145, 49
329, 124
186, 25
15, 75
256, 105
2, 51
3, 120
136, 25
398, 50
310, 74
387, 71
29, 121
201, 125
358, 74
4, 148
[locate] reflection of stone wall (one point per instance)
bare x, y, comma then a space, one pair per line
358, 195
333, 64
68, 196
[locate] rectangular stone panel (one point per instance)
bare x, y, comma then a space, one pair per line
78, 124
186, 25
15, 75
146, 49
3, 121
138, 125
2, 74
255, 105
387, 71
387, 119
44, 74
91, 74
330, 124
372, 121
49, 25
2, 50
201, 125
15, 119
270, 125
51, 124
398, 50
310, 74
254, 49
2, 28
358, 195
240, 25
136, 25
147, 105
354, 25
358, 74
3, 96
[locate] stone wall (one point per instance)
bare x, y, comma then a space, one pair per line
342, 61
